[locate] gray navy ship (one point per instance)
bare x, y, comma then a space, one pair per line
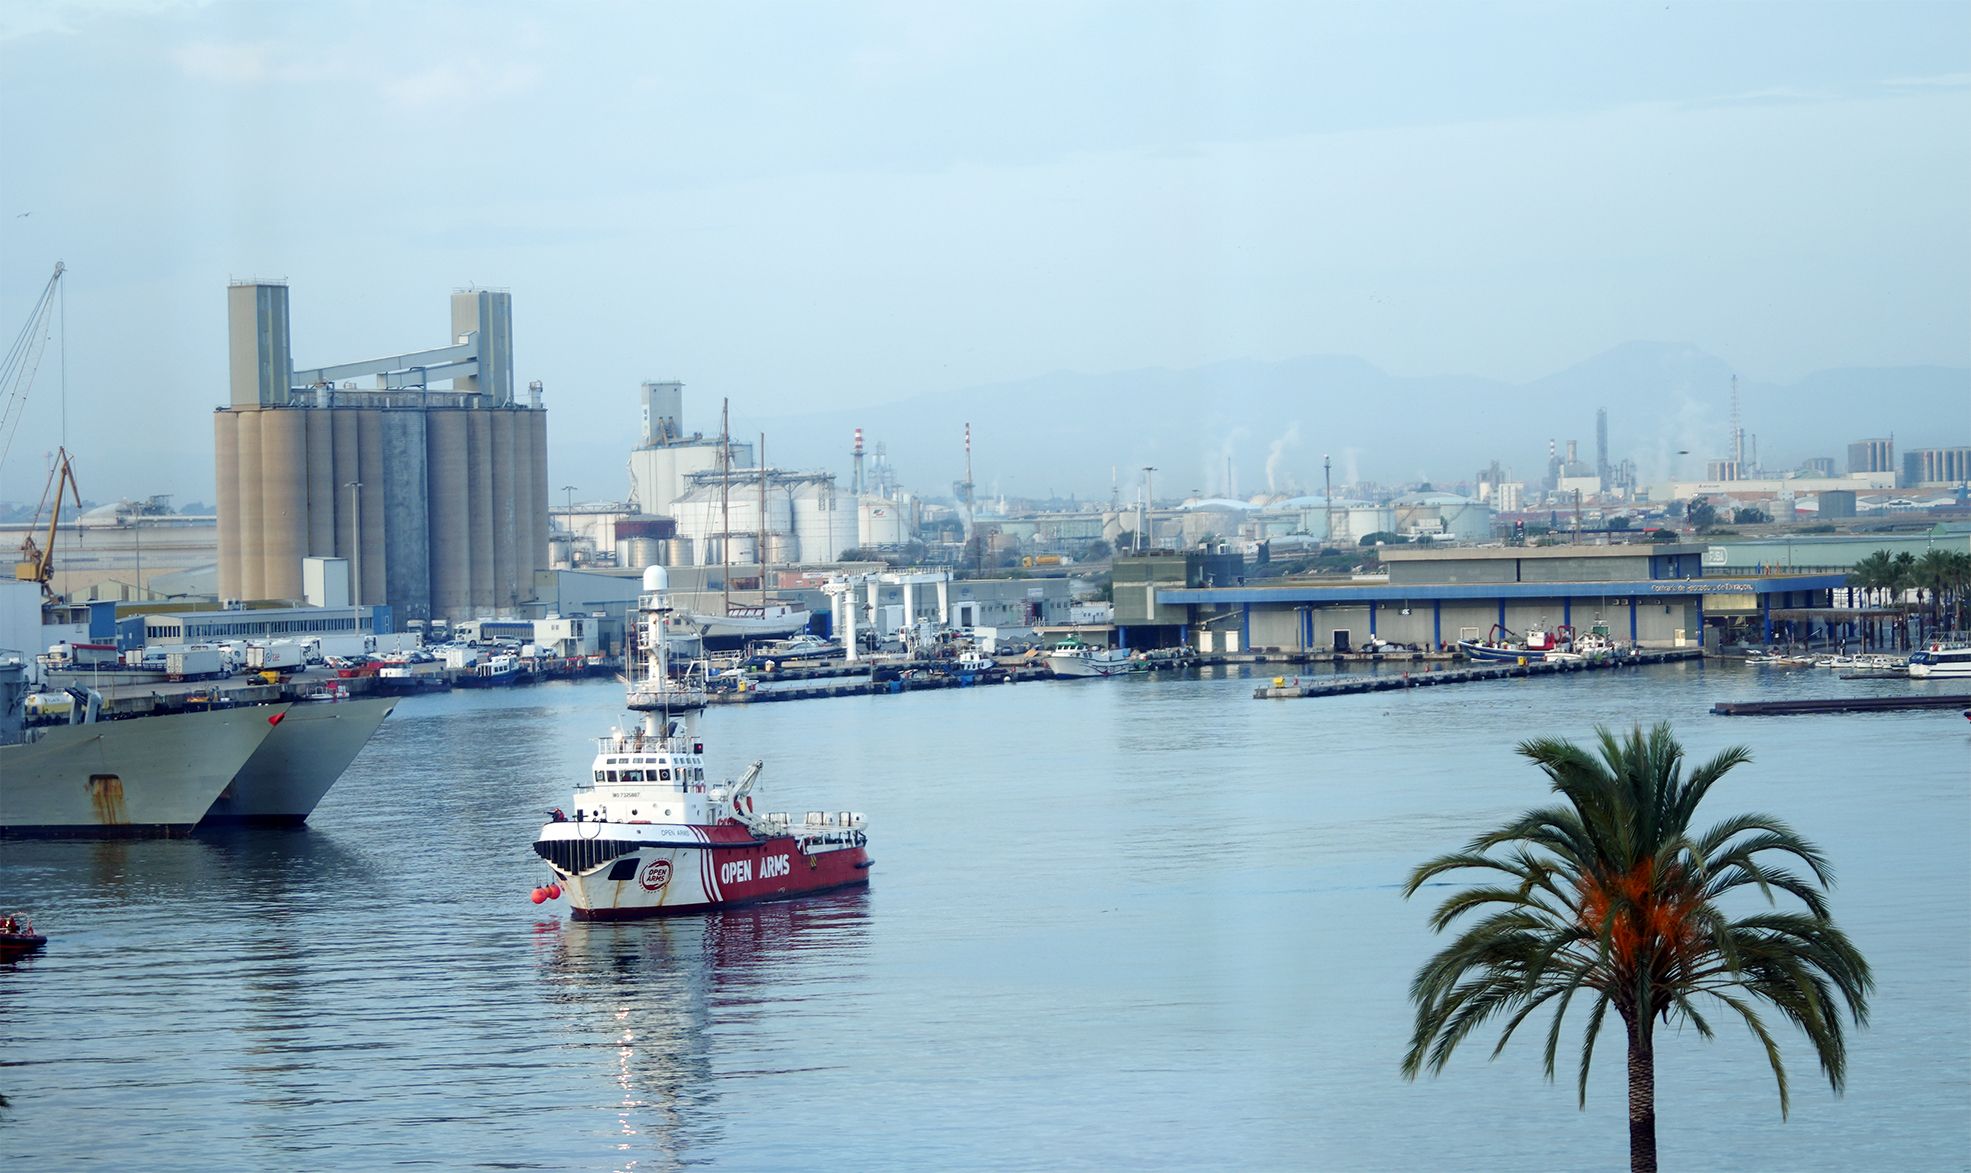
170, 775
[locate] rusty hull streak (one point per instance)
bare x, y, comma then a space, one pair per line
106, 795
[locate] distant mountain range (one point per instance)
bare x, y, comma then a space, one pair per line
1668, 405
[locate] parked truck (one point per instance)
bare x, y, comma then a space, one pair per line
279, 656
194, 663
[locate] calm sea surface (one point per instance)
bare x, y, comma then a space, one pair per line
1141, 923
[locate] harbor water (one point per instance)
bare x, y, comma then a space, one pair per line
1132, 923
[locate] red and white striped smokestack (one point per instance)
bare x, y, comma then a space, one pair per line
858, 441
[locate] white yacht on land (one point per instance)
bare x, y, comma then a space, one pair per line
651, 835
1941, 661
743, 623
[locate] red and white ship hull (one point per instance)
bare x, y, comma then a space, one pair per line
652, 834
627, 871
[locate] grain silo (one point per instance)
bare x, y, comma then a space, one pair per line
438, 495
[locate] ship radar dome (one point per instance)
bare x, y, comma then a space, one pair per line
655, 578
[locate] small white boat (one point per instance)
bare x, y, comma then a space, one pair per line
1075, 660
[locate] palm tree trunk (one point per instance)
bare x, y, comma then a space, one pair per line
1642, 1099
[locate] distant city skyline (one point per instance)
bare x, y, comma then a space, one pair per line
876, 203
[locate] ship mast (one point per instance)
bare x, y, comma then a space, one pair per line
655, 693
761, 553
725, 502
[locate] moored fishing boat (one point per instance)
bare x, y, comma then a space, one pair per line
651, 835
1499, 646
1073, 659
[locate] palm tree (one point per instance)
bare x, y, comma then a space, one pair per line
1943, 573
1875, 572
1613, 896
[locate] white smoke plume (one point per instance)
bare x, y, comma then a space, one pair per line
1215, 465
1277, 451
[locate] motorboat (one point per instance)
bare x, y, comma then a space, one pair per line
17, 936
1075, 660
651, 834
1941, 661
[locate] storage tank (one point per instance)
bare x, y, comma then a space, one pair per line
704, 515
226, 467
824, 523
537, 512
369, 453
252, 527
880, 522
321, 483
348, 467
524, 556
504, 514
639, 552
451, 517
406, 514
479, 492
284, 485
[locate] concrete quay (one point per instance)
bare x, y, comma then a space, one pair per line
1346, 686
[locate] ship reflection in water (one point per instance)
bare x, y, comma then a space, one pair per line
646, 998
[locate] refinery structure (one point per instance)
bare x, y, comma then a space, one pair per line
435, 497
698, 499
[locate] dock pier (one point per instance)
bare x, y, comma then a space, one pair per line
1351, 685
1841, 704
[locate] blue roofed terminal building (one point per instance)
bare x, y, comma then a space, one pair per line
1655, 595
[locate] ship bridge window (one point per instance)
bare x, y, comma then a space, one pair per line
632, 775
612, 775
598, 775
663, 775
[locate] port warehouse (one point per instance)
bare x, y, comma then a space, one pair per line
1651, 594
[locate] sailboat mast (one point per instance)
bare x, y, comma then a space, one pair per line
761, 553
725, 501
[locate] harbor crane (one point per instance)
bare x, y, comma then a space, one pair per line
24, 358
37, 562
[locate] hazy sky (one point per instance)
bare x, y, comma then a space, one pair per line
830, 205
